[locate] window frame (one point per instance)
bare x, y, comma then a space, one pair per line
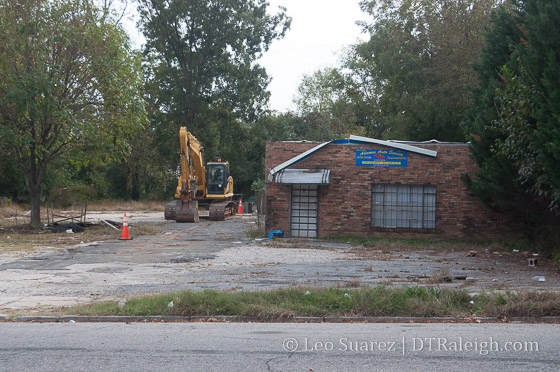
403, 206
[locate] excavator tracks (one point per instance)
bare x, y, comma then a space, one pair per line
188, 212
222, 210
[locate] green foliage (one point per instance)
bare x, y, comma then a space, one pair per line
515, 121
69, 87
11, 180
408, 81
335, 302
325, 108
287, 303
203, 73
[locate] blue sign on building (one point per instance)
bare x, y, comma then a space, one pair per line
381, 158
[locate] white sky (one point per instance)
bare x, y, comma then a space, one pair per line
320, 30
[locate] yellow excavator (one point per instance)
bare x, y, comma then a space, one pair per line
209, 187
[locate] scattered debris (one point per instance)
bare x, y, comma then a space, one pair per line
471, 254
460, 277
540, 278
110, 225
307, 293
515, 251
68, 228
278, 233
532, 261
92, 244
170, 305
422, 276
121, 303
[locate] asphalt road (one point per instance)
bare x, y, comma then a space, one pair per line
278, 347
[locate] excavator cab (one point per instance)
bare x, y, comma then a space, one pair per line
217, 175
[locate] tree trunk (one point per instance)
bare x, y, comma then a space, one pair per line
34, 181
36, 205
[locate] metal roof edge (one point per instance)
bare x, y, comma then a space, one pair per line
306, 154
397, 145
431, 142
294, 160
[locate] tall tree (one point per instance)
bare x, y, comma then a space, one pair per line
409, 80
417, 65
515, 120
325, 107
69, 86
205, 73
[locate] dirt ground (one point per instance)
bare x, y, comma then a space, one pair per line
219, 255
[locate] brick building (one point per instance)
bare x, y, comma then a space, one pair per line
364, 186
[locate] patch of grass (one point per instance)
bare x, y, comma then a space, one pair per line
256, 232
405, 244
127, 206
14, 214
25, 238
517, 304
145, 230
374, 301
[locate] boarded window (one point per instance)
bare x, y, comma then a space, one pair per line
303, 215
403, 206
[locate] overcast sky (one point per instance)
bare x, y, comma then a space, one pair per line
319, 32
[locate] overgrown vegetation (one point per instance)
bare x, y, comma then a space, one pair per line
436, 243
256, 232
24, 238
513, 123
376, 301
17, 214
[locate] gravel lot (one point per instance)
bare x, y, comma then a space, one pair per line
219, 255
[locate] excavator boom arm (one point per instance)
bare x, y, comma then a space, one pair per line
192, 182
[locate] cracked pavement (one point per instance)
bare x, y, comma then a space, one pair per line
219, 255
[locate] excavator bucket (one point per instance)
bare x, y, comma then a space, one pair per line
182, 211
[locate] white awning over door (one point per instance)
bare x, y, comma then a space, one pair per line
303, 176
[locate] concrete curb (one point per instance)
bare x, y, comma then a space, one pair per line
247, 319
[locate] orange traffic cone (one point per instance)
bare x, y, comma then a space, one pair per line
125, 235
240, 210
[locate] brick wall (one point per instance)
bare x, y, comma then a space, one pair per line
345, 204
